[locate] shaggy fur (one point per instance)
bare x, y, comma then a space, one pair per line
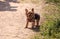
32, 17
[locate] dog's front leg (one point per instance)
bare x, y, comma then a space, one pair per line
33, 24
27, 24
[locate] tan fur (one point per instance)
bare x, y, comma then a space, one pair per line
31, 17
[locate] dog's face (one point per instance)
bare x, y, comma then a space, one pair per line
30, 14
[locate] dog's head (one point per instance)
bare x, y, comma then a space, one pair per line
29, 13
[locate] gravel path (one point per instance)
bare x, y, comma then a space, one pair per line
13, 21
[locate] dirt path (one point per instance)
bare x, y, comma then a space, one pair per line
12, 23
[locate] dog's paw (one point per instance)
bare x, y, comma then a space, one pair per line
26, 27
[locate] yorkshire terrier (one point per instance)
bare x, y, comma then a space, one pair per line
32, 17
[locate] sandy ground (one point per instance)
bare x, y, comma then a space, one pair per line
12, 22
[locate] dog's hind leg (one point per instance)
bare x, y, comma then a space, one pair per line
37, 22
37, 26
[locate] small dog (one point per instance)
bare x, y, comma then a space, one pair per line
32, 17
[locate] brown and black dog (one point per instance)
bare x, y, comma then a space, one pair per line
32, 17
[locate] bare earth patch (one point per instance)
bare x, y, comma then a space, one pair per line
12, 23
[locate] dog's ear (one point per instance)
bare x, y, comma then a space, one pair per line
32, 10
26, 10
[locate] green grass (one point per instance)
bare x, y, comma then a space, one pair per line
53, 1
50, 28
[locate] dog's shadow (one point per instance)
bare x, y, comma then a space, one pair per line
35, 29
